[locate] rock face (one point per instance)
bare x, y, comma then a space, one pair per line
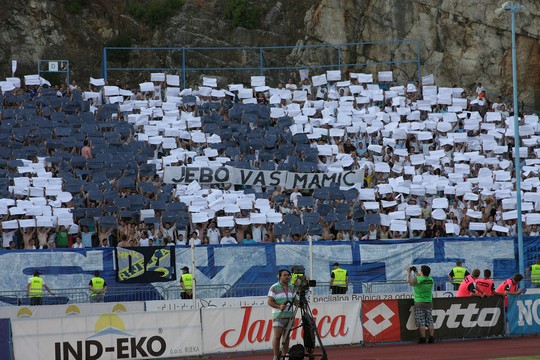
460, 42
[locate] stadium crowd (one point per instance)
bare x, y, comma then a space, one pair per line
86, 167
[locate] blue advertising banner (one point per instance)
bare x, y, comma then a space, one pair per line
5, 339
524, 314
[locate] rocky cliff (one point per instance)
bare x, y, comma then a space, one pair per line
460, 42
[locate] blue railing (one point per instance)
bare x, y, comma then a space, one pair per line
262, 51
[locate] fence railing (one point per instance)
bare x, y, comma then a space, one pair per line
260, 60
135, 293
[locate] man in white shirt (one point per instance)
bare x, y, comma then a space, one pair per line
213, 234
7, 236
227, 238
257, 232
294, 196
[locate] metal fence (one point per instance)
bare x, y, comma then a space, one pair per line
134, 293
403, 57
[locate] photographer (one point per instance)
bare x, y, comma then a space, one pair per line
280, 298
422, 285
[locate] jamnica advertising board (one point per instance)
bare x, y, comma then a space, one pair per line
250, 328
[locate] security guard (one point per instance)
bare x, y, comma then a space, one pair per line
34, 289
457, 274
533, 274
339, 280
186, 284
98, 287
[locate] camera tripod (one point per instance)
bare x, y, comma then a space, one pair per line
310, 332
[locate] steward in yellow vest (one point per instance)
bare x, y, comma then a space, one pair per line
98, 287
186, 284
457, 274
34, 289
339, 280
533, 274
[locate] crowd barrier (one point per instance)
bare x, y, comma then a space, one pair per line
161, 329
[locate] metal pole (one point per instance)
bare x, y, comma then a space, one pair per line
104, 64
311, 262
517, 145
261, 61
184, 85
310, 257
418, 62
194, 282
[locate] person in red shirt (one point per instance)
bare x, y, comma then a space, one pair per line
510, 287
486, 286
468, 285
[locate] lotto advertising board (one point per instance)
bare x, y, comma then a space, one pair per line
524, 314
393, 320
250, 328
457, 318
110, 336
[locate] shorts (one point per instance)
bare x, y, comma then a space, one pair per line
281, 322
423, 315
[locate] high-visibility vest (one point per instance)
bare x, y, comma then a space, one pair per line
485, 286
187, 279
294, 276
36, 287
97, 283
535, 273
463, 289
459, 274
340, 277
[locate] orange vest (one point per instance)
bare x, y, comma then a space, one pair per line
463, 289
507, 285
485, 286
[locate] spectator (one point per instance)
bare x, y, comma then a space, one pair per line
227, 238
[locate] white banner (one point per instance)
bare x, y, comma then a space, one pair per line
227, 174
250, 328
217, 303
47, 311
109, 336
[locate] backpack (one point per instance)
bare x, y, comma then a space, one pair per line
296, 352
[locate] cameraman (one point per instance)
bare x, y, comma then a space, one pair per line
422, 285
280, 298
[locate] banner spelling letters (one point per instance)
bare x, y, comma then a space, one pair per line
236, 176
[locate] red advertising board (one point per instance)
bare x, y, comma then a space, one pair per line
380, 319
